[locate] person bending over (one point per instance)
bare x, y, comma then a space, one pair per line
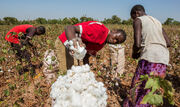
91, 35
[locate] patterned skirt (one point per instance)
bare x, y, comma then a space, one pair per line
137, 91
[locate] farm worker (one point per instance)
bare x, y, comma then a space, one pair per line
92, 35
19, 37
151, 47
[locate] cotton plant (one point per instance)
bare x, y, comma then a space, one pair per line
78, 88
1, 69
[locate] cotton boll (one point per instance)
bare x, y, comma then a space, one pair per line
78, 88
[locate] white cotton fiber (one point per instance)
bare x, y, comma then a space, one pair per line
50, 65
50, 58
78, 88
79, 52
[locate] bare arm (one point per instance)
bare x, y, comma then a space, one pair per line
166, 38
137, 38
71, 31
30, 32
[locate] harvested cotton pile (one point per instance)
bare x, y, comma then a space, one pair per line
78, 88
50, 65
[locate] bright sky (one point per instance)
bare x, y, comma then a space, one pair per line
97, 9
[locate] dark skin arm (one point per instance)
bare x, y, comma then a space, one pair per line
71, 31
137, 26
30, 32
166, 38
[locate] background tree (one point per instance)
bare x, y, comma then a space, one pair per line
176, 22
25, 22
52, 21
10, 20
74, 20
115, 20
84, 19
1, 22
41, 20
66, 21
169, 21
127, 22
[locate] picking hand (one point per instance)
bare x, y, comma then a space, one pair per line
78, 40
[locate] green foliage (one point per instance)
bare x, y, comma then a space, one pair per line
2, 59
152, 99
23, 48
12, 86
38, 92
54, 21
171, 21
99, 73
26, 76
41, 20
5, 51
20, 34
12, 33
84, 19
10, 20
66, 21
50, 67
25, 22
113, 20
6, 92
74, 20
1, 22
53, 58
127, 22
159, 88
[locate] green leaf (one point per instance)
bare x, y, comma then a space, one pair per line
26, 76
20, 34
53, 58
6, 92
50, 67
48, 41
8, 36
144, 77
156, 100
146, 98
149, 83
99, 73
156, 85
130, 74
152, 74
13, 33
152, 99
4, 51
23, 48
2, 59
18, 62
